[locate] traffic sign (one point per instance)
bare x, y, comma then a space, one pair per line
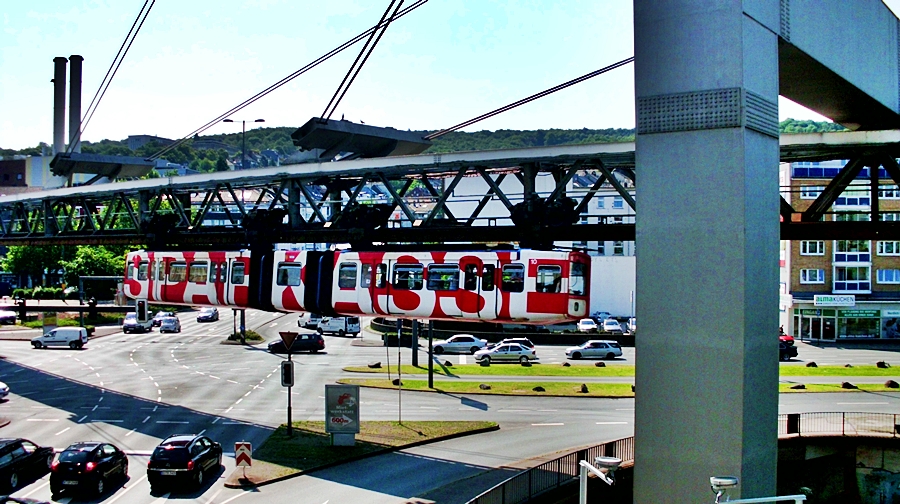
288, 337
243, 454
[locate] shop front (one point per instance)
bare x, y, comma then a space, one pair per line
856, 323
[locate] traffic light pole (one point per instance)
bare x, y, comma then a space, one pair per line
290, 428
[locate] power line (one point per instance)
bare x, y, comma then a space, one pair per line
289, 78
111, 72
530, 98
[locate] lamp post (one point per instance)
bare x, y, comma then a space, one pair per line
243, 138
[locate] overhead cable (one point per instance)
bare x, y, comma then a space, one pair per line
289, 78
111, 72
326, 115
530, 98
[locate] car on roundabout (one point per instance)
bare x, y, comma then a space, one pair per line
72, 337
20, 459
604, 349
7, 317
160, 316
132, 324
4, 390
786, 351
86, 467
460, 343
302, 343
183, 459
506, 352
208, 314
170, 325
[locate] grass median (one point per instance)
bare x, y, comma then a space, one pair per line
310, 446
567, 389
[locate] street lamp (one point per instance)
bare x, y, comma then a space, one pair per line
243, 138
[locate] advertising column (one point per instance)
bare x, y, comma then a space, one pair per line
342, 413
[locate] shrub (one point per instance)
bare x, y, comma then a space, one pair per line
251, 336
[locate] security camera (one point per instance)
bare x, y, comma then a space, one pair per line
719, 484
611, 463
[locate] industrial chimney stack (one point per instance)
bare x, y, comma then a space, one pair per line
59, 104
75, 102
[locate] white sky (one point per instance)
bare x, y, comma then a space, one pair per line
446, 62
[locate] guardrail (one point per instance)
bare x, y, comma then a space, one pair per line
555, 473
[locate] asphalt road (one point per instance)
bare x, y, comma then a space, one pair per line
135, 390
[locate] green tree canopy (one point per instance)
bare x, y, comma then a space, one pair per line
93, 261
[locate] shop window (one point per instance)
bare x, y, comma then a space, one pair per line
812, 247
287, 274
888, 276
443, 277
851, 279
810, 192
889, 248
859, 327
889, 216
347, 276
812, 276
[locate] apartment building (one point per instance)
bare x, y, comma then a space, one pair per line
840, 289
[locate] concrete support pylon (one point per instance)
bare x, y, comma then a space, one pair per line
706, 82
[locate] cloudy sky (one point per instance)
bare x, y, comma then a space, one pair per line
446, 62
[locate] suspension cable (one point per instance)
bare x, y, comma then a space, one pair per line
287, 79
530, 98
111, 73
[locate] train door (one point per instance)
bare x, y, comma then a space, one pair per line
512, 295
443, 293
407, 289
237, 289
477, 295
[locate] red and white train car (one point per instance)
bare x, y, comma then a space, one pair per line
523, 286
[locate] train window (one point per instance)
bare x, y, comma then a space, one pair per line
487, 278
161, 272
129, 271
287, 274
576, 279
365, 278
513, 278
549, 279
223, 272
177, 272
151, 271
213, 272
347, 276
408, 276
197, 272
142, 270
470, 277
380, 276
237, 273
443, 277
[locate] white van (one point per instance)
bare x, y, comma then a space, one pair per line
309, 320
339, 325
72, 337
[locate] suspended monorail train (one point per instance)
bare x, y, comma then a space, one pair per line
512, 286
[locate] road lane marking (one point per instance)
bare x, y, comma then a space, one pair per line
64, 430
861, 403
36, 489
215, 377
232, 381
42, 420
108, 421
248, 393
95, 407
130, 432
239, 401
154, 408
217, 419
126, 487
612, 423
547, 424
172, 422
82, 418
145, 420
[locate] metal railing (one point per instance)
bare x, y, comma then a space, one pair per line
555, 473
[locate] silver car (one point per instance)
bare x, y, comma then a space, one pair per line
506, 352
604, 349
461, 343
170, 324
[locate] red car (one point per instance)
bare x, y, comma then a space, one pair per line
787, 339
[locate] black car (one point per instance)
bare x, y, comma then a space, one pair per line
786, 352
302, 343
87, 467
21, 459
183, 458
209, 314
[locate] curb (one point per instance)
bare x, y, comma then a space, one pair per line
4, 421
248, 486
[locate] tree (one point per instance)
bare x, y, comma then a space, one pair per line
93, 261
31, 261
221, 164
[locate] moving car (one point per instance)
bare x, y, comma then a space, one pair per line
72, 337
87, 466
461, 343
170, 324
132, 324
208, 314
339, 325
160, 315
604, 349
20, 459
7, 317
183, 458
786, 351
309, 320
786, 339
4, 390
302, 343
587, 325
611, 325
506, 352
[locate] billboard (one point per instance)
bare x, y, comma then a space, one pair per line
342, 409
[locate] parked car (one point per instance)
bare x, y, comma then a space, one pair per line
181, 459
525, 342
302, 343
631, 325
611, 325
587, 325
7, 317
309, 320
87, 467
600, 316
170, 324
160, 315
506, 352
604, 349
787, 339
339, 325
460, 343
786, 351
4, 390
208, 314
20, 459
72, 337
132, 324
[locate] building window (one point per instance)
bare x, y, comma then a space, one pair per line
889, 216
889, 276
618, 248
889, 248
601, 248
853, 197
889, 192
812, 276
618, 202
601, 202
812, 247
810, 192
851, 251
852, 217
852, 279
617, 220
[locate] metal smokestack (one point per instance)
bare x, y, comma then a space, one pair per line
75, 103
59, 104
